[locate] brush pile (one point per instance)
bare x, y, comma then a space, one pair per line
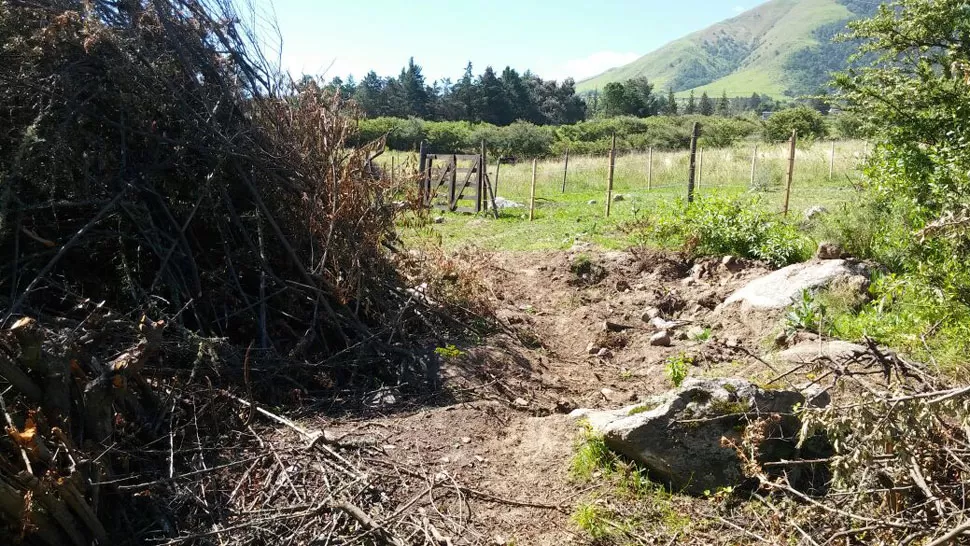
167, 200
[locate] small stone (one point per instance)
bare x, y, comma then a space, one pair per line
828, 251
689, 281
439, 219
604, 353
466, 440
681, 335
660, 339
728, 261
592, 349
606, 392
618, 197
564, 405
639, 287
521, 402
733, 341
445, 460
650, 314
479, 458
622, 286
591, 202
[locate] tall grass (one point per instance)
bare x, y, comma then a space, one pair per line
562, 217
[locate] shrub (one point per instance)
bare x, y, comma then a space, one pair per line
718, 226
808, 122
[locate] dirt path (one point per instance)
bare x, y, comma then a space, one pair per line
509, 443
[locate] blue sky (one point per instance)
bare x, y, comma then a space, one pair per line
566, 38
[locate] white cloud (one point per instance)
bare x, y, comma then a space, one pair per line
592, 64
739, 9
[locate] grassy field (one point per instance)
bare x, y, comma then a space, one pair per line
578, 215
779, 28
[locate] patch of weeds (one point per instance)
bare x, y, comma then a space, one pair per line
678, 367
718, 225
585, 270
701, 336
595, 519
730, 388
448, 352
808, 313
592, 456
626, 375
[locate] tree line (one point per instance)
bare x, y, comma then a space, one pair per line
503, 98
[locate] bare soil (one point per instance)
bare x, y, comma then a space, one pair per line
507, 441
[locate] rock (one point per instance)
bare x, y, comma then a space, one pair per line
604, 353
622, 286
466, 439
439, 220
678, 436
781, 288
503, 203
521, 402
592, 348
591, 202
729, 260
807, 351
828, 251
708, 299
669, 325
614, 327
732, 341
660, 339
382, 398
564, 405
650, 314
696, 332
618, 197
689, 281
814, 212
681, 336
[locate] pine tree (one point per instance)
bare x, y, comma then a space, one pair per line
414, 93
724, 105
671, 106
492, 105
691, 107
706, 105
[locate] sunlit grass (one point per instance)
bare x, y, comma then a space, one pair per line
579, 213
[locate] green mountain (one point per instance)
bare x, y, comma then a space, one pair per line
782, 47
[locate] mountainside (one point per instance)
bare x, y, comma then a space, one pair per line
782, 47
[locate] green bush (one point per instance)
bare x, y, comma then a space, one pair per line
717, 226
808, 122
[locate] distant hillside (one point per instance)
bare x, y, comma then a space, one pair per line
782, 47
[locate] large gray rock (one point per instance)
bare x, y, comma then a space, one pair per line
780, 289
683, 437
808, 351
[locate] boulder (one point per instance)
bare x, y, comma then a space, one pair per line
814, 212
807, 351
781, 288
683, 438
828, 251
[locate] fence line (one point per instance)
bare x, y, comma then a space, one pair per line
721, 168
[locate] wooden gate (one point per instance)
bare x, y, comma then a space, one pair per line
455, 182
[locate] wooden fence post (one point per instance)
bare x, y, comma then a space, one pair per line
650, 168
498, 166
832, 161
691, 171
565, 170
791, 167
609, 178
754, 162
532, 198
700, 166
425, 186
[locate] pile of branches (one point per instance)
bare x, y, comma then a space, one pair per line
901, 461
174, 213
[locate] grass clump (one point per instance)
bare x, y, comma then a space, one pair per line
592, 456
718, 225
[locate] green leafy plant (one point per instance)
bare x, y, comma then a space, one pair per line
678, 367
448, 352
807, 313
